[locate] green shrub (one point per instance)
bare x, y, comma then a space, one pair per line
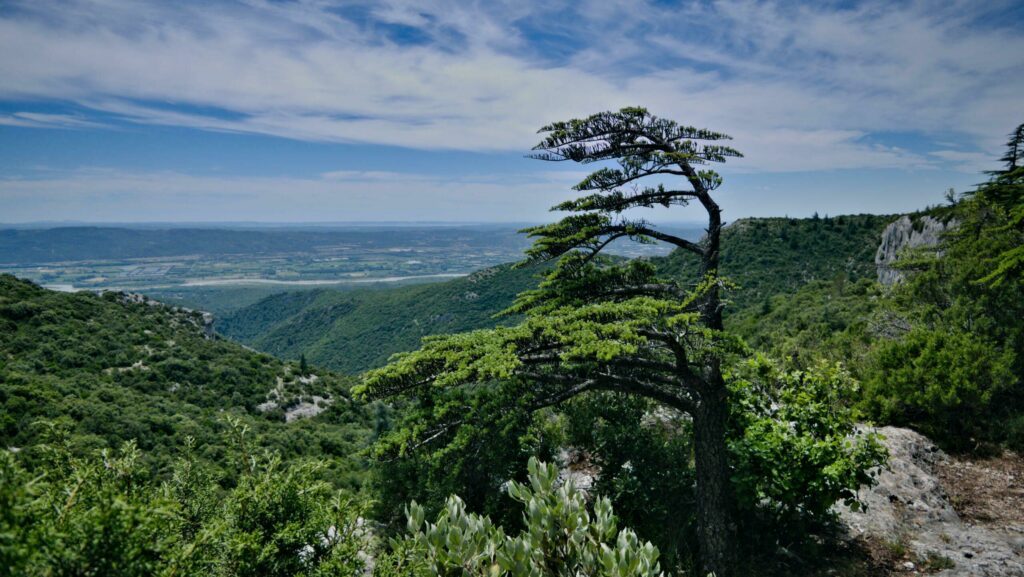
107, 516
795, 447
644, 454
946, 383
561, 537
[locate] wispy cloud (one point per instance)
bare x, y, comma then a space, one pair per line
976, 162
799, 86
41, 120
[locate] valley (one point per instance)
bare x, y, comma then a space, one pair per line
283, 364
223, 269
95, 258
355, 330
303, 402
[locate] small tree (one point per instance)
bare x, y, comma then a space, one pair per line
1006, 191
597, 324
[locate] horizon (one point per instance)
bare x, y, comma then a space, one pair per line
269, 224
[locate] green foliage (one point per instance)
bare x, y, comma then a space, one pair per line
766, 257
102, 520
352, 331
795, 448
561, 536
1005, 193
112, 370
831, 320
970, 316
945, 383
20, 537
106, 515
279, 522
645, 457
586, 333
439, 446
939, 351
955, 370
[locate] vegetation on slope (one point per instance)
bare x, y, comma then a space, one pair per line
108, 369
939, 352
772, 256
107, 515
352, 331
777, 445
226, 487
956, 369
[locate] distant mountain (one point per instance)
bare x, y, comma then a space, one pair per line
99, 370
352, 331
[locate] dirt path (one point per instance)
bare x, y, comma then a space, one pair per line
987, 491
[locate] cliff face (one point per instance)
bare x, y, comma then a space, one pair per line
904, 234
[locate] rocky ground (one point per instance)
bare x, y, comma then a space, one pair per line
935, 514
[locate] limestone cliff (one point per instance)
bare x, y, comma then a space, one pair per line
904, 234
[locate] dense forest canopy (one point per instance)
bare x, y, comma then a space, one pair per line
103, 370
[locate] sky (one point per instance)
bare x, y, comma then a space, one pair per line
394, 110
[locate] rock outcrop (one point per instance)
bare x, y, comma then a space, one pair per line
200, 319
904, 234
909, 509
291, 393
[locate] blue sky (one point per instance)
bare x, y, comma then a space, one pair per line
315, 110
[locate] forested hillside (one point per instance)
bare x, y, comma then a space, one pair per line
771, 256
146, 443
351, 331
939, 351
100, 370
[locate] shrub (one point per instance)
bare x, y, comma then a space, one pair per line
945, 383
795, 447
561, 537
107, 516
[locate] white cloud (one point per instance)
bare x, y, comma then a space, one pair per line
967, 161
799, 87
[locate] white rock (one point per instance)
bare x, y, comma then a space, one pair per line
909, 505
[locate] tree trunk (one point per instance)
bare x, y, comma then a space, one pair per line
716, 526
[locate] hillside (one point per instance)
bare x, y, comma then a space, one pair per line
771, 256
351, 331
108, 368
